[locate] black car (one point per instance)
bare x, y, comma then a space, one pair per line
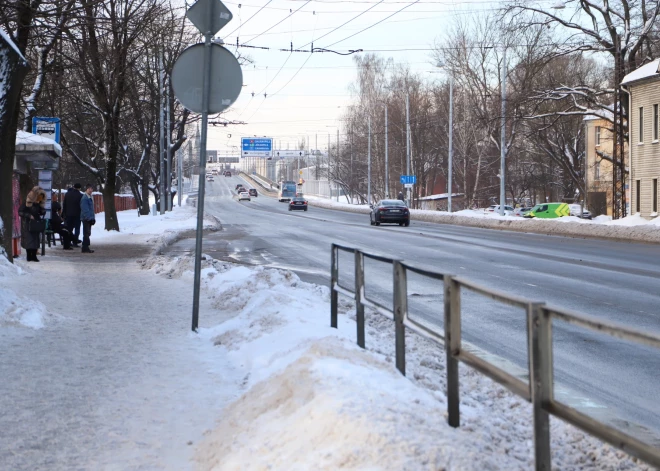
253, 192
390, 211
240, 188
227, 174
298, 202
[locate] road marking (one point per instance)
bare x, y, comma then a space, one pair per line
529, 284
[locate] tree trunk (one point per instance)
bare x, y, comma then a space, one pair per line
13, 69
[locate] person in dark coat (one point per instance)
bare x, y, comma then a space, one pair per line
58, 227
71, 212
33, 209
400, 196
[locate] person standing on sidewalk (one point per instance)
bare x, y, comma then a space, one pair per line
32, 213
87, 216
71, 212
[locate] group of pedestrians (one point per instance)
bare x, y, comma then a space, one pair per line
77, 208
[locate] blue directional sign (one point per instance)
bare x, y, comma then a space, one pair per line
257, 147
408, 179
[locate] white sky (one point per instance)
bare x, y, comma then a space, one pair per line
308, 101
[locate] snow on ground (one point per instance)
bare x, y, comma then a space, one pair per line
311, 399
632, 228
288, 392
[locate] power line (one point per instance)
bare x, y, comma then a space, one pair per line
239, 26
343, 24
288, 16
375, 24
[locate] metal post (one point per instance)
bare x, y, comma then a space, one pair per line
387, 172
540, 380
179, 173
452, 297
206, 91
329, 171
359, 294
168, 145
352, 178
161, 141
369, 162
451, 143
407, 146
503, 136
337, 162
334, 279
400, 312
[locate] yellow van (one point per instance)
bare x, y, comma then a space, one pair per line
549, 211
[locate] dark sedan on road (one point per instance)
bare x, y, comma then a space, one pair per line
390, 211
253, 192
298, 203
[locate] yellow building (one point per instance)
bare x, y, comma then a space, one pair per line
643, 87
598, 176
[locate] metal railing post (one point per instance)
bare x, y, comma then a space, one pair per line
540, 380
400, 312
452, 296
334, 278
359, 293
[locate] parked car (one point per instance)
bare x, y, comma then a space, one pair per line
495, 208
521, 211
549, 211
578, 211
298, 203
253, 192
244, 195
390, 211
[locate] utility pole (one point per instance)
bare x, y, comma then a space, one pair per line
329, 172
337, 161
407, 145
161, 141
179, 175
168, 146
369, 163
352, 176
316, 150
387, 172
503, 136
451, 144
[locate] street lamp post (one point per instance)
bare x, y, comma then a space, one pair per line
387, 172
503, 136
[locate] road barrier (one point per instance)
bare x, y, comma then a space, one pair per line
539, 389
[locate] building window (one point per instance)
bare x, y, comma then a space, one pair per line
655, 194
641, 124
638, 206
597, 170
597, 135
655, 122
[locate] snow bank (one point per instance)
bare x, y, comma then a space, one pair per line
18, 311
310, 399
631, 229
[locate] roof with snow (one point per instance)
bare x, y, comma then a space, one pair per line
647, 71
26, 141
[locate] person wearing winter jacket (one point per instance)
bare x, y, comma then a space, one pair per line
58, 227
87, 216
71, 212
31, 212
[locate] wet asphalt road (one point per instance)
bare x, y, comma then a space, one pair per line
614, 281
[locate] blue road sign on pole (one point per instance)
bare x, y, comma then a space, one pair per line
257, 147
408, 179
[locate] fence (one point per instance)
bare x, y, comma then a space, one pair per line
539, 389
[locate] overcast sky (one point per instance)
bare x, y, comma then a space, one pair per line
307, 93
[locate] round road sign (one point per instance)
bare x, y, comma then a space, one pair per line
226, 78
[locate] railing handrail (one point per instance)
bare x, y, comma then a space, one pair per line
539, 389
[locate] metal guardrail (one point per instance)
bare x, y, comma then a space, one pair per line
539, 390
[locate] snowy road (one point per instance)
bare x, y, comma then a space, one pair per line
611, 280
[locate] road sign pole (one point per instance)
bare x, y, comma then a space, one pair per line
202, 170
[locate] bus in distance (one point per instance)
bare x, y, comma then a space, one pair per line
287, 190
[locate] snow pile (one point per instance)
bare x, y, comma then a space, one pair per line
631, 229
307, 398
16, 310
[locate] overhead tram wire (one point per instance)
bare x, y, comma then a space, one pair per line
375, 24
288, 16
343, 24
242, 24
